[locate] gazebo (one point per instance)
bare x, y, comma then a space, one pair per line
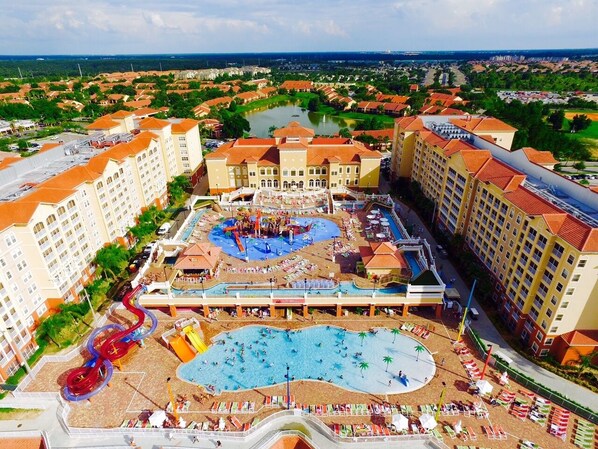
384, 261
198, 259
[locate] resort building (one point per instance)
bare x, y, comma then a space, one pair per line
534, 231
294, 159
60, 206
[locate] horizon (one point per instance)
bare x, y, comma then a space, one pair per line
319, 52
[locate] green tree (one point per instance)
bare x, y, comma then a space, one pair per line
112, 260
419, 349
363, 366
395, 331
579, 122
388, 360
581, 165
362, 335
22, 144
313, 104
177, 187
556, 119
345, 132
584, 362
234, 125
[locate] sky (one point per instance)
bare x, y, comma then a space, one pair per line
248, 26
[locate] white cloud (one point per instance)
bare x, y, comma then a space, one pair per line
109, 26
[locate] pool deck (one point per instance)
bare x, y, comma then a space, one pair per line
141, 386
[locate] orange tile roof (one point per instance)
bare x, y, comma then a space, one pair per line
153, 123
294, 129
501, 175
569, 228
482, 124
16, 213
184, 126
539, 157
581, 338
412, 123
202, 256
376, 133
145, 111
121, 114
475, 159
297, 85
382, 255
102, 123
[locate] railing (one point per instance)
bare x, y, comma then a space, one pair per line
531, 384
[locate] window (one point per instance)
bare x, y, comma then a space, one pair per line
570, 259
543, 352
548, 341
558, 318
582, 263
570, 291
293, 173
311, 171
300, 172
559, 287
565, 273
575, 278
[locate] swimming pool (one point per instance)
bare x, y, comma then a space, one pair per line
346, 288
256, 356
272, 247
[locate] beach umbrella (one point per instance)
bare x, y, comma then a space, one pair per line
221, 424
400, 422
157, 418
427, 421
484, 386
458, 427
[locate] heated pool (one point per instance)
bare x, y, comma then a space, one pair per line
256, 356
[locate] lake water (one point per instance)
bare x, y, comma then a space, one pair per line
280, 116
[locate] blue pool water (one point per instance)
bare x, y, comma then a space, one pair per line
273, 247
191, 226
393, 226
346, 287
256, 356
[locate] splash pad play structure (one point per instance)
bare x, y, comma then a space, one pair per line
109, 344
253, 236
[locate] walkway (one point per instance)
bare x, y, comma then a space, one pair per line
491, 336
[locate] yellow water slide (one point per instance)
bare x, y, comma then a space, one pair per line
182, 349
195, 339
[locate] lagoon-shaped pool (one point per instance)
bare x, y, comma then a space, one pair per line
256, 356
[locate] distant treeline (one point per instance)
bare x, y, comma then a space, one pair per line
62, 66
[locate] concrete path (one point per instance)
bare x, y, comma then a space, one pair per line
488, 332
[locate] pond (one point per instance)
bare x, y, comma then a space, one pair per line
279, 116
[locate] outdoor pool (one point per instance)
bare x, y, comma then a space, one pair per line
272, 247
257, 356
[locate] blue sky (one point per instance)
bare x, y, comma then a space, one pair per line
212, 26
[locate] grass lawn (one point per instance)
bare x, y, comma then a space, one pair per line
589, 136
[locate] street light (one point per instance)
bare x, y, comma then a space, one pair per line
14, 348
93, 312
271, 286
305, 287
375, 282
288, 388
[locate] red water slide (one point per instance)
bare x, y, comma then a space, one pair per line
85, 381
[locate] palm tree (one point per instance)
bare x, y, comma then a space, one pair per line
419, 349
362, 335
388, 360
363, 366
584, 362
395, 332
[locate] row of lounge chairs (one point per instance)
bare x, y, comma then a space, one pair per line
559, 421
584, 434
495, 432
340, 409
233, 407
418, 330
360, 430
